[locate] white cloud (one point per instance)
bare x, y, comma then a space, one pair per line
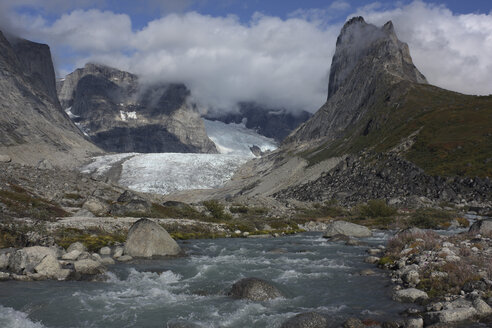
283, 63
452, 51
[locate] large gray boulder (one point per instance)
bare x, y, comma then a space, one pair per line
306, 320
483, 227
254, 289
25, 259
347, 229
146, 239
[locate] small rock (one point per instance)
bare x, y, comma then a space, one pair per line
4, 276
483, 227
118, 252
89, 266
414, 323
483, 309
254, 289
410, 295
105, 251
449, 316
353, 323
71, 256
76, 246
125, 258
96, 206
411, 277
374, 251
5, 159
372, 259
106, 260
367, 272
306, 320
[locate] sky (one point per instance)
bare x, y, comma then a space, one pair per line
277, 53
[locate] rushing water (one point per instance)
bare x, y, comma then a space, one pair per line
314, 275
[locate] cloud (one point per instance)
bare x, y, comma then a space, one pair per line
279, 62
452, 51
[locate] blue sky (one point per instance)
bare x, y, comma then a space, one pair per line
275, 52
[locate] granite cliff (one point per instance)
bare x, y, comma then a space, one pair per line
120, 114
33, 126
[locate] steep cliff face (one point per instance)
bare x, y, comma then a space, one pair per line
368, 60
122, 115
32, 123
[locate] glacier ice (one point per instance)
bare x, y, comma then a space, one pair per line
164, 173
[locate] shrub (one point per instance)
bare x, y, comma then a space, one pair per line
376, 208
431, 241
216, 210
429, 218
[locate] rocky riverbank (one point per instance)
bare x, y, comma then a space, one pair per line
447, 277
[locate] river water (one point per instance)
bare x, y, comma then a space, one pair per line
313, 273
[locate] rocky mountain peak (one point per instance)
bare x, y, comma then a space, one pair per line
359, 41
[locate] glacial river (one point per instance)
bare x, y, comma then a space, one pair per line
313, 273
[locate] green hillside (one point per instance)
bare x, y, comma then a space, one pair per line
455, 130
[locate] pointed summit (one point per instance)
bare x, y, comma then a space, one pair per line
379, 47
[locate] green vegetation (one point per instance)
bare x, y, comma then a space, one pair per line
19, 202
454, 138
430, 218
217, 211
376, 208
93, 240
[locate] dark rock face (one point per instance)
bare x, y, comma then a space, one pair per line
254, 289
364, 177
122, 115
367, 61
483, 227
306, 320
32, 124
269, 122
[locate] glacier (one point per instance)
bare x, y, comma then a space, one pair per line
164, 173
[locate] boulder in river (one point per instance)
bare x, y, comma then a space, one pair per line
88, 267
306, 320
50, 268
347, 229
146, 239
25, 259
483, 227
254, 289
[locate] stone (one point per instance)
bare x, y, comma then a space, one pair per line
44, 164
71, 256
347, 229
125, 258
118, 251
410, 295
367, 272
96, 206
306, 320
78, 246
254, 289
83, 213
89, 267
5, 159
374, 251
483, 227
146, 239
414, 323
4, 276
25, 259
106, 260
449, 315
105, 251
4, 260
130, 202
482, 308
50, 268
411, 277
353, 323
372, 259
